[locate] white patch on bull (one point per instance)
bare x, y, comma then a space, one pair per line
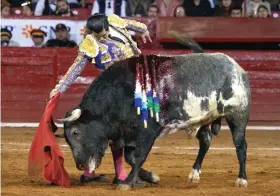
193, 109
197, 116
91, 164
240, 182
194, 176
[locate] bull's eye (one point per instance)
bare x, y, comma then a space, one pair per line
75, 133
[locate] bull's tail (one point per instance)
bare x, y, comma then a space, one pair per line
186, 41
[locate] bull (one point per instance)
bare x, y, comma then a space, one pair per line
196, 91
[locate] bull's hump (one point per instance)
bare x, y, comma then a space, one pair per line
224, 57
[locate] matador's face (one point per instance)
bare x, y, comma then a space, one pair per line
102, 35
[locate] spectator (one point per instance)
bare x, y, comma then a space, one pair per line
140, 11
213, 3
263, 12
76, 3
5, 2
109, 7
6, 36
48, 7
16, 3
45, 7
153, 11
38, 37
137, 7
252, 7
224, 8
236, 12
33, 4
63, 8
62, 38
5, 10
179, 11
26, 9
167, 7
274, 5
197, 8
84, 3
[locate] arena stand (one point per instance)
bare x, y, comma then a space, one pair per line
28, 74
80, 13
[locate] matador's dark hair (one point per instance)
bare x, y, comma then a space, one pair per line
97, 22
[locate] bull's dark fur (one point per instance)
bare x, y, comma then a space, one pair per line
108, 111
110, 99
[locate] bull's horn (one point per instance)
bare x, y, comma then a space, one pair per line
74, 116
59, 135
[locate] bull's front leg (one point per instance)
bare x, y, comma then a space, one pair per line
143, 174
144, 143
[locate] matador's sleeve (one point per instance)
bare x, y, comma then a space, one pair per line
128, 24
72, 73
136, 26
88, 49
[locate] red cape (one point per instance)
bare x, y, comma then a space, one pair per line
44, 154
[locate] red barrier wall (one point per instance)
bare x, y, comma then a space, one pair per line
28, 75
211, 29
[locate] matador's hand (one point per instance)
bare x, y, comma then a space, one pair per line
145, 35
52, 93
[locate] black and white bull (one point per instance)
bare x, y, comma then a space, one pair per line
196, 92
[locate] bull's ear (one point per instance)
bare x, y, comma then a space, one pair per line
86, 116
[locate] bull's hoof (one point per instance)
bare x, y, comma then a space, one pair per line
149, 176
136, 184
155, 178
240, 182
99, 178
194, 176
124, 187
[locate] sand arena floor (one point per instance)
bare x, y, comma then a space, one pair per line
172, 158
